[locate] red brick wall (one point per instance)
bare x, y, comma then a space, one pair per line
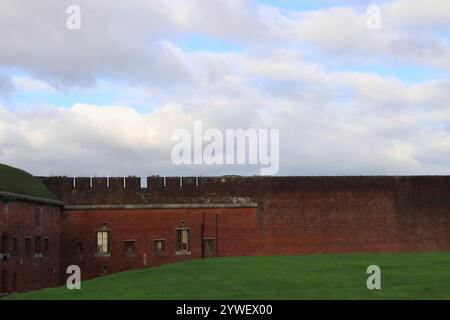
295, 215
235, 234
23, 270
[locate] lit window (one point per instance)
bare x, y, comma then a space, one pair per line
183, 240
103, 242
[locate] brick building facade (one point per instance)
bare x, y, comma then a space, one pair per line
153, 235
30, 220
232, 216
112, 225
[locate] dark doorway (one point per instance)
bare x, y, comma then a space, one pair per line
14, 282
4, 282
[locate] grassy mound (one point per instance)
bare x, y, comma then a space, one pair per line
324, 276
18, 181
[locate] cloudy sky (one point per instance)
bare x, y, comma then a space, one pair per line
103, 100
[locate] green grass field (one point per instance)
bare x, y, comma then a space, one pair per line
323, 276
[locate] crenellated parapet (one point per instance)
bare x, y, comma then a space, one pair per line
234, 189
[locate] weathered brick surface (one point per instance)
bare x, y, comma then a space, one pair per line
295, 215
235, 231
23, 271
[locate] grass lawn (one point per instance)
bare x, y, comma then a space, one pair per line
322, 276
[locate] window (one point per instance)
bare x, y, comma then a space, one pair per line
104, 270
46, 245
37, 245
209, 244
102, 242
160, 245
28, 245
4, 282
4, 246
14, 282
37, 216
183, 240
14, 248
129, 247
79, 248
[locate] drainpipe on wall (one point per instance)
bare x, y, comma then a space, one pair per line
217, 236
202, 242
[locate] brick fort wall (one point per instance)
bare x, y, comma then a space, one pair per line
293, 215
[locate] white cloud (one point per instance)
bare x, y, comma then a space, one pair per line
418, 15
30, 84
412, 32
125, 41
346, 122
320, 134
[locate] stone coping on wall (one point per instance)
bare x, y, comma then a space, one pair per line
23, 197
161, 206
